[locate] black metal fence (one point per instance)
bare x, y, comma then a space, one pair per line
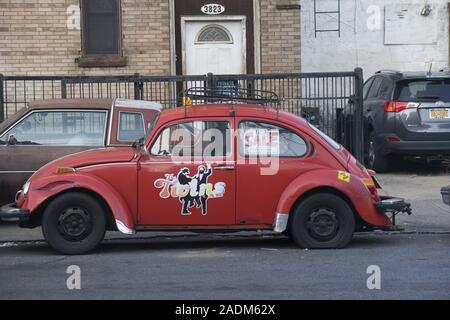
332, 101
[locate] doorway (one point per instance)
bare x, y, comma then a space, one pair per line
213, 45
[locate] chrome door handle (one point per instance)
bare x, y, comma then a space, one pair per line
224, 168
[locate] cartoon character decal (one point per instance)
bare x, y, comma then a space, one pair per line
189, 190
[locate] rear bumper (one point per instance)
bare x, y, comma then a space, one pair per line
396, 205
417, 147
445, 192
393, 206
11, 212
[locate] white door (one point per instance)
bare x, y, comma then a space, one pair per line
215, 46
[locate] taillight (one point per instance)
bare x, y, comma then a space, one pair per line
397, 106
370, 184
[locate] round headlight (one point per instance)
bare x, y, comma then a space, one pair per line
25, 188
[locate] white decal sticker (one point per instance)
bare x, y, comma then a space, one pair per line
261, 142
189, 190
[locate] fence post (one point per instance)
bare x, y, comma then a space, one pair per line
359, 115
138, 87
2, 102
63, 89
210, 81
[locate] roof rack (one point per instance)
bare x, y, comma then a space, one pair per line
230, 95
388, 71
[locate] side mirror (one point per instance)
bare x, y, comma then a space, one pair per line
11, 140
143, 148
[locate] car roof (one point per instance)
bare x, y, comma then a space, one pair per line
228, 110
93, 103
71, 103
412, 75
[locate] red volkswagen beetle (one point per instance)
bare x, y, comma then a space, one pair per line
208, 167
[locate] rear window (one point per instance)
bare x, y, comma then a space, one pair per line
325, 137
424, 90
131, 126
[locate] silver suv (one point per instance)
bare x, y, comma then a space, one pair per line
406, 115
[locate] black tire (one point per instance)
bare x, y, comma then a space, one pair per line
74, 223
322, 221
375, 160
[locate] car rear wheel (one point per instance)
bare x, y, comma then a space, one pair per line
375, 160
322, 221
74, 223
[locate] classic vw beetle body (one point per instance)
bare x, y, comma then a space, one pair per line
208, 167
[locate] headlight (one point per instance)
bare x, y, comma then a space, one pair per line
25, 188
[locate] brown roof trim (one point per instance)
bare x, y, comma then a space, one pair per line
71, 103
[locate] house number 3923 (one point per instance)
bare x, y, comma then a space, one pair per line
213, 8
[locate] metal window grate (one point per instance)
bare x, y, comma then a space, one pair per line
330, 13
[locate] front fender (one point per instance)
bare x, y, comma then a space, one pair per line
354, 189
44, 188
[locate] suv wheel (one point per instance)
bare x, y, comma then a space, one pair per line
74, 223
321, 221
375, 160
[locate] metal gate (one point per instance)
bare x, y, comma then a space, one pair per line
332, 100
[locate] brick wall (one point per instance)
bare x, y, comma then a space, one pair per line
280, 36
35, 39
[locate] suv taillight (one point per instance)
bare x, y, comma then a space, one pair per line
397, 106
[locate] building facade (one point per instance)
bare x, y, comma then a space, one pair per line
149, 37
406, 35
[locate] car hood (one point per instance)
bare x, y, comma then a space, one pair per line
88, 158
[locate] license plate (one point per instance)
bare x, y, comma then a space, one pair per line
439, 114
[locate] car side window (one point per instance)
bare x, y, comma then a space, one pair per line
131, 126
375, 88
194, 138
367, 87
59, 128
262, 139
385, 89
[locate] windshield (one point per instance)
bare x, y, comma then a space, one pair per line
424, 90
325, 137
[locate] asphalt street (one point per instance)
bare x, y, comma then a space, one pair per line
413, 264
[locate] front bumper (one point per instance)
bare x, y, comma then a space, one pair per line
445, 192
11, 212
393, 206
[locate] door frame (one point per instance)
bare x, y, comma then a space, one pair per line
212, 19
254, 41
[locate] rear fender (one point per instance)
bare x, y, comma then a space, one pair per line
50, 186
354, 189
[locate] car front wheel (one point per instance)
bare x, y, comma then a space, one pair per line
322, 221
74, 223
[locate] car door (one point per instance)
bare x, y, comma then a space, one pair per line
270, 156
41, 136
188, 176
